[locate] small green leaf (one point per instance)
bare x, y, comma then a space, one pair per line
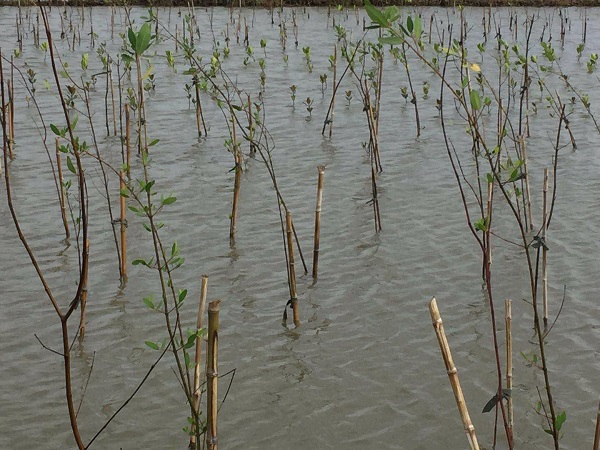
152, 345
560, 420
391, 40
149, 303
124, 192
182, 295
55, 129
169, 200
137, 262
409, 24
70, 165
154, 142
475, 100
375, 15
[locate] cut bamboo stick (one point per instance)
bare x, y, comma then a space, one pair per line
197, 371
292, 268
84, 292
315, 270
63, 212
597, 433
544, 250
212, 375
453, 375
509, 364
123, 229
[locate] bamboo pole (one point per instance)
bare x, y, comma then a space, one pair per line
544, 250
123, 229
453, 374
333, 90
112, 97
237, 181
509, 364
197, 391
63, 212
84, 292
315, 270
292, 268
128, 140
597, 433
212, 375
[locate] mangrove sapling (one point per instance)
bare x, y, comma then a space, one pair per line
238, 159
509, 365
334, 90
62, 189
123, 222
438, 326
545, 249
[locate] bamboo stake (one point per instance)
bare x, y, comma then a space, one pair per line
237, 181
292, 268
597, 433
321, 170
212, 375
128, 140
333, 91
63, 212
453, 374
509, 364
544, 250
197, 391
528, 204
112, 96
84, 292
123, 228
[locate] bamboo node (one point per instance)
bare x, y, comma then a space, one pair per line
452, 370
212, 374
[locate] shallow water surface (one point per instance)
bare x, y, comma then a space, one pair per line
364, 369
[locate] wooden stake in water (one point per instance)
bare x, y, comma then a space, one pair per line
292, 268
123, 228
197, 371
212, 375
315, 270
509, 364
544, 250
84, 292
453, 375
63, 212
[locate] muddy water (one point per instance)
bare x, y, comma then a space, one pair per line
364, 369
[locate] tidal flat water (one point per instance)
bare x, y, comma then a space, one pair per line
364, 370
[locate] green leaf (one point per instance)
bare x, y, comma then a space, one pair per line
55, 129
475, 100
174, 249
132, 37
70, 165
375, 15
154, 142
417, 27
124, 192
410, 26
137, 262
149, 303
152, 345
142, 40
182, 295
147, 227
169, 200
190, 341
391, 40
560, 420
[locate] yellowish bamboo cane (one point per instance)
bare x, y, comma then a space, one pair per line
315, 270
292, 268
197, 371
509, 364
453, 375
212, 375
